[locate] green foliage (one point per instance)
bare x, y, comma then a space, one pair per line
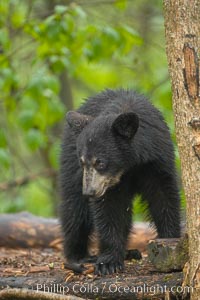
4, 158
35, 139
114, 46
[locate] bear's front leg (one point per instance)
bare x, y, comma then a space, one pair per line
76, 226
112, 221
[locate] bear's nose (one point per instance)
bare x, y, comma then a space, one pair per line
88, 192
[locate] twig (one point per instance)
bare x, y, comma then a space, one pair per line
25, 180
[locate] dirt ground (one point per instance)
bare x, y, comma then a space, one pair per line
43, 270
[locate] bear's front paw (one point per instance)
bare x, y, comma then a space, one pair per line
105, 267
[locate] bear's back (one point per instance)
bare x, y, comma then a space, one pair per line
121, 101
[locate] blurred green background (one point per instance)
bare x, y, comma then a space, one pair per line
53, 54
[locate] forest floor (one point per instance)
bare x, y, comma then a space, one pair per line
42, 270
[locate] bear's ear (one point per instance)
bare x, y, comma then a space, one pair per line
77, 121
126, 125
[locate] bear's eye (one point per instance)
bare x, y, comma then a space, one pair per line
100, 164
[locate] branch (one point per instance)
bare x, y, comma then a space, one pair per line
127, 285
25, 180
24, 294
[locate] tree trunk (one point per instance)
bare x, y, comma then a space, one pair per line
182, 25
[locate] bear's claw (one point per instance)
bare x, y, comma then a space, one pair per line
108, 268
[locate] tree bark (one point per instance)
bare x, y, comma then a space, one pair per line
182, 26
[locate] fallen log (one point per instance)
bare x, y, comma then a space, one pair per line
24, 294
25, 230
38, 266
168, 255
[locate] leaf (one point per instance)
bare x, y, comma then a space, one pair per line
4, 39
8, 79
26, 119
55, 111
112, 34
80, 12
5, 160
96, 47
54, 155
3, 139
121, 4
35, 139
17, 18
60, 9
14, 206
38, 199
131, 34
58, 63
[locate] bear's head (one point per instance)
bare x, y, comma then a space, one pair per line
103, 148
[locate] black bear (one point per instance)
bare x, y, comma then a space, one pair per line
115, 146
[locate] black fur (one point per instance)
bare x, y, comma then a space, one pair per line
130, 135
